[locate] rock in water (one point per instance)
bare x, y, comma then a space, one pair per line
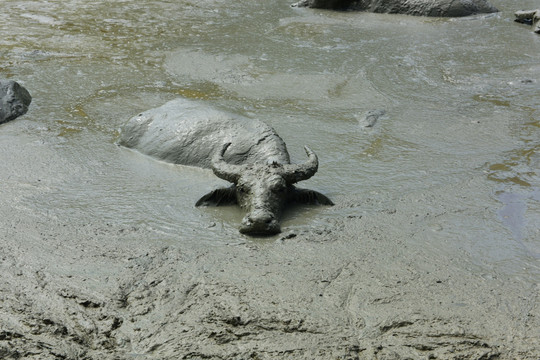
14, 100
370, 118
529, 17
438, 8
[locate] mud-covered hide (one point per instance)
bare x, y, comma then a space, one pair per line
190, 132
14, 100
245, 152
437, 8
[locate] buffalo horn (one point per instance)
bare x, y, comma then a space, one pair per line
222, 169
298, 172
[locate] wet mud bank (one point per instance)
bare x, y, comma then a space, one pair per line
351, 287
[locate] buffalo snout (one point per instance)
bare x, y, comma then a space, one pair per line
260, 222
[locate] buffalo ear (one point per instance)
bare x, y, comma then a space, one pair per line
305, 196
217, 197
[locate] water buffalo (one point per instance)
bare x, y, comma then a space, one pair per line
246, 152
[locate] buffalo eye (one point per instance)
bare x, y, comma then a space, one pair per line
280, 188
241, 189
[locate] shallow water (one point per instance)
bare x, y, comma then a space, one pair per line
461, 100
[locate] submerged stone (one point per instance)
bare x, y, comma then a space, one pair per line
370, 118
14, 100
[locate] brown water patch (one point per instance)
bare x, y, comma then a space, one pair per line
493, 99
518, 169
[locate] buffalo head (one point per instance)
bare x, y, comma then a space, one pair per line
263, 189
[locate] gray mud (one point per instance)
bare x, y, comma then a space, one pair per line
431, 251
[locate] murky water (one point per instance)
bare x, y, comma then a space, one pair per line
461, 100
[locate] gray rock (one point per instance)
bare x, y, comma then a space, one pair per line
438, 8
14, 100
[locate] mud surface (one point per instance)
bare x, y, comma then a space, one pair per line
431, 251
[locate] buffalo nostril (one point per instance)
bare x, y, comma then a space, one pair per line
265, 219
258, 219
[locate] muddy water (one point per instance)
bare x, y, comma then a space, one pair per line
461, 102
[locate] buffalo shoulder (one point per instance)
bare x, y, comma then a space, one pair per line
217, 197
312, 197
